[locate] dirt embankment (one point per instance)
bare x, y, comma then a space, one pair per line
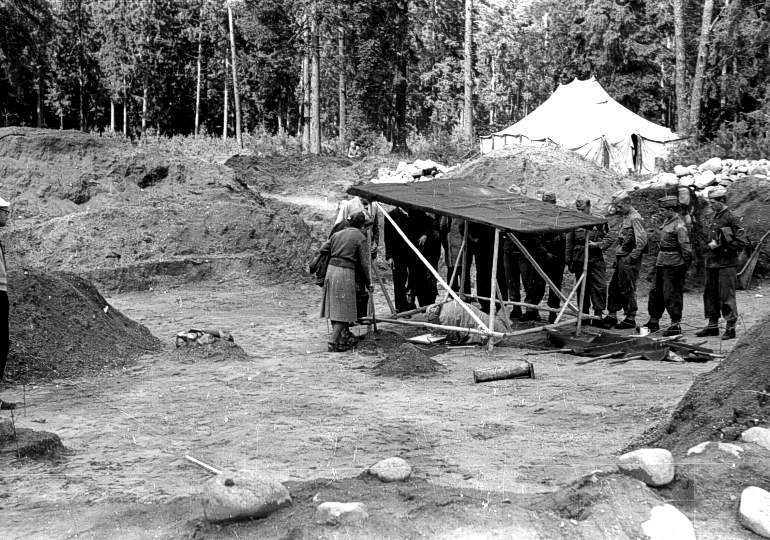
62, 327
128, 216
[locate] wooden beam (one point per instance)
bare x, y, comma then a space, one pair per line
571, 294
384, 290
533, 306
581, 303
540, 271
432, 270
454, 269
444, 327
493, 290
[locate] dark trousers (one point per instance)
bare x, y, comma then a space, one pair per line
5, 341
667, 292
536, 286
719, 295
400, 281
454, 283
483, 260
421, 280
595, 284
511, 266
622, 290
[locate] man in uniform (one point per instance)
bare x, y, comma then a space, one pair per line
548, 251
726, 240
674, 257
595, 281
400, 257
5, 341
632, 240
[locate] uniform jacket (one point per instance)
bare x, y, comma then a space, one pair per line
632, 238
575, 244
395, 247
675, 248
730, 237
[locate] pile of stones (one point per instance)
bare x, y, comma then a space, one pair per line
713, 172
419, 170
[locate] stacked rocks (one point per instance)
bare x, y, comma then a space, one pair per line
419, 170
712, 172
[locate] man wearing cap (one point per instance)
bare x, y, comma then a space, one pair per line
548, 252
674, 257
632, 239
5, 342
726, 240
595, 280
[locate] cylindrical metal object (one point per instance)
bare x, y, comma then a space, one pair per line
520, 370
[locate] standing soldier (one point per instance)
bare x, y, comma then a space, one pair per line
595, 281
726, 240
400, 257
674, 257
632, 239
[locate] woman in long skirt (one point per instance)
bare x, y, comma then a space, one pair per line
348, 255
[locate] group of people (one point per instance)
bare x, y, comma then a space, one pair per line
354, 242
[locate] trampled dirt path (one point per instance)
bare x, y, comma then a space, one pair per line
299, 413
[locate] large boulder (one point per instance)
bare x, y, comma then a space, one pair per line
757, 435
668, 523
653, 466
681, 170
706, 178
242, 495
754, 511
714, 165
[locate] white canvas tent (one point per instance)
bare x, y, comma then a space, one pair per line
582, 117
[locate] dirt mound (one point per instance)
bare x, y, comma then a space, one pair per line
724, 402
62, 327
544, 168
217, 351
107, 207
750, 199
407, 360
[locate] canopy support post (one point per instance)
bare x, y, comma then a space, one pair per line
493, 291
571, 294
466, 261
581, 303
433, 271
540, 271
454, 269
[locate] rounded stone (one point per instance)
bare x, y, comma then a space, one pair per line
332, 513
653, 466
242, 495
393, 469
754, 511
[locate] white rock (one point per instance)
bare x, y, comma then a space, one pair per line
706, 178
757, 435
242, 495
728, 162
698, 448
742, 169
668, 179
704, 193
687, 181
754, 511
393, 469
653, 466
730, 448
668, 523
332, 513
757, 170
714, 165
679, 170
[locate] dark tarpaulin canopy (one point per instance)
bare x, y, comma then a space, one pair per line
467, 199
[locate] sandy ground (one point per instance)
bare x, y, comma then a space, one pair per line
296, 412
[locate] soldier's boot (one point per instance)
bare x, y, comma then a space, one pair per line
652, 325
712, 329
673, 330
729, 332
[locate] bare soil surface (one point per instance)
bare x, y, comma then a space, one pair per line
301, 414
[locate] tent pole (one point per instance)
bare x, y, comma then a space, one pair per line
433, 270
571, 294
581, 303
493, 290
466, 260
540, 271
384, 290
444, 327
527, 305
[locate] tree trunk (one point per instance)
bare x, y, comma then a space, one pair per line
494, 93
700, 66
145, 94
125, 109
398, 127
196, 128
468, 73
304, 107
112, 114
236, 95
680, 69
315, 85
39, 100
342, 83
224, 113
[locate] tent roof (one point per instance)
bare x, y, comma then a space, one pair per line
582, 111
467, 199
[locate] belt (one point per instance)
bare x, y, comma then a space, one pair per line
671, 249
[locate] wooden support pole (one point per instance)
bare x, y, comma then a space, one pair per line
466, 260
493, 290
433, 271
571, 294
527, 305
581, 303
384, 290
415, 311
540, 271
454, 269
444, 327
537, 329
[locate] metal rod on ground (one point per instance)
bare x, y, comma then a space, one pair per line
445, 327
581, 303
204, 465
493, 290
571, 294
384, 290
454, 270
432, 270
539, 270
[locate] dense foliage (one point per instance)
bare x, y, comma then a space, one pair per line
80, 63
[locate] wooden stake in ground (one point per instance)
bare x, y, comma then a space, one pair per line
384, 290
581, 303
493, 290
